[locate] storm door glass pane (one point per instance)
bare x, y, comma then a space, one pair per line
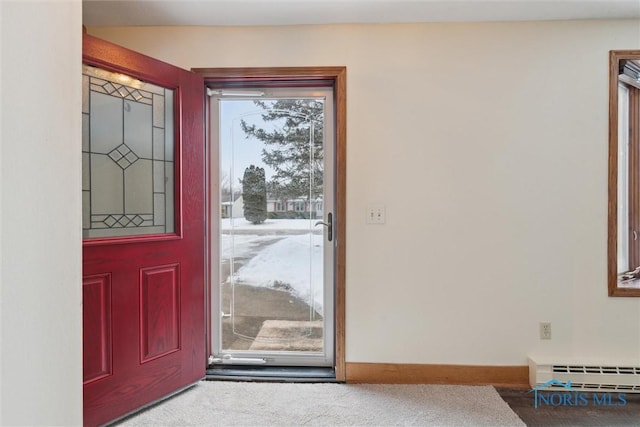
127, 156
272, 244
623, 180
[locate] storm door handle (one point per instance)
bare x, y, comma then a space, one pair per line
329, 225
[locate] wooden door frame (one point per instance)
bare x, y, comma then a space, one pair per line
309, 76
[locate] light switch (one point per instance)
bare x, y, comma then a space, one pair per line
376, 214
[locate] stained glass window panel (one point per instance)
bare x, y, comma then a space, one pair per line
127, 156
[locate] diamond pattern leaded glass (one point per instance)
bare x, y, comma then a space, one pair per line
127, 156
123, 156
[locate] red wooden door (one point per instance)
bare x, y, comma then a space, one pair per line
143, 289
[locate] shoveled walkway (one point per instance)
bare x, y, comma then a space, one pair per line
270, 313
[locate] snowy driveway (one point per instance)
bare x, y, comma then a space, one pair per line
284, 254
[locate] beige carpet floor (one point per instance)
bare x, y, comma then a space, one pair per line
222, 403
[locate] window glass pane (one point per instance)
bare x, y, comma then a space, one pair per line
168, 125
272, 243
127, 156
623, 179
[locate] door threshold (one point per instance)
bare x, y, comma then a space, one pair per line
294, 374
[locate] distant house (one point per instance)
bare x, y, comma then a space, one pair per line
294, 208
233, 209
276, 208
283, 208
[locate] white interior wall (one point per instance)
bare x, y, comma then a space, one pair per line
488, 145
40, 222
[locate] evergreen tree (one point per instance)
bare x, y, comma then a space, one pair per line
254, 195
293, 146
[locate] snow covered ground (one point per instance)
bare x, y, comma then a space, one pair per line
241, 224
293, 262
242, 245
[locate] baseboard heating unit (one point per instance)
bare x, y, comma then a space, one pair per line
585, 376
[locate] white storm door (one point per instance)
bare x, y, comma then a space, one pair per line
274, 235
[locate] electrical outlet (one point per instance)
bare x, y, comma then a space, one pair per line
545, 330
376, 214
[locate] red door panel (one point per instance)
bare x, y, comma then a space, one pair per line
144, 296
159, 311
96, 322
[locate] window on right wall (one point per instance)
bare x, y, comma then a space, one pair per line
624, 174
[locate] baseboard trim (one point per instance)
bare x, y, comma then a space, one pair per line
391, 373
